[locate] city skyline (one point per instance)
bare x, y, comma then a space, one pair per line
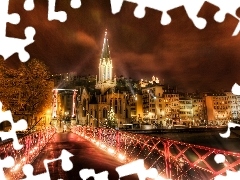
179, 53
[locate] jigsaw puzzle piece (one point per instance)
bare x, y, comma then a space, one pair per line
7, 49
28, 171
18, 126
5, 17
236, 91
60, 15
227, 7
9, 46
139, 12
8, 162
66, 166
192, 8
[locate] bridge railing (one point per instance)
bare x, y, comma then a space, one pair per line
32, 145
172, 159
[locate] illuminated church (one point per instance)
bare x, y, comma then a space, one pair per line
105, 78
89, 99
96, 104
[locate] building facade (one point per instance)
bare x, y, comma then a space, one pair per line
222, 108
143, 102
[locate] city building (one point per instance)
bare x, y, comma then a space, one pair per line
192, 108
222, 108
153, 103
145, 102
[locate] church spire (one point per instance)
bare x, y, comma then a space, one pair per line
105, 79
105, 50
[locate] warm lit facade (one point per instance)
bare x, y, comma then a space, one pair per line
199, 111
145, 102
186, 110
192, 110
153, 104
160, 104
222, 107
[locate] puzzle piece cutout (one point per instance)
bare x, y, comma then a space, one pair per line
137, 167
192, 8
66, 166
87, 173
29, 5
226, 7
18, 126
52, 14
61, 15
235, 91
7, 162
220, 158
75, 4
227, 133
8, 45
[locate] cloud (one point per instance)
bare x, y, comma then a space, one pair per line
136, 61
85, 40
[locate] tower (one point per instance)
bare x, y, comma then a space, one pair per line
105, 79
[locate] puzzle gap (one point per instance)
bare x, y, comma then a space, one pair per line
238, 12
5, 123
17, 34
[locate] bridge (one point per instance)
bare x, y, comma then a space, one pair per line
104, 149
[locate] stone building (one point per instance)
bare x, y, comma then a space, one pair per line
138, 102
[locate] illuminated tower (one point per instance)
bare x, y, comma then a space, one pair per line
105, 79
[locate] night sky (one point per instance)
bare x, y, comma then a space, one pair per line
179, 53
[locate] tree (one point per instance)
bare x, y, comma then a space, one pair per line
26, 89
9, 90
36, 87
111, 120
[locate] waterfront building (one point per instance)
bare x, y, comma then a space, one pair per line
192, 108
172, 105
222, 108
153, 103
198, 110
160, 104
233, 106
142, 102
186, 111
